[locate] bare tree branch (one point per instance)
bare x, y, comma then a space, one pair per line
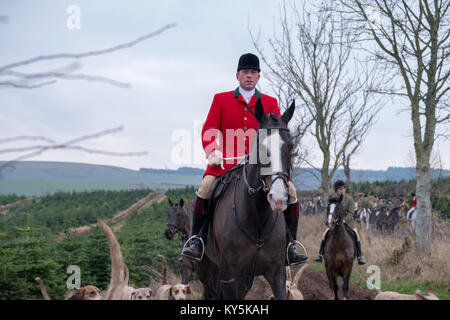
6, 140
67, 77
64, 73
26, 86
37, 150
87, 54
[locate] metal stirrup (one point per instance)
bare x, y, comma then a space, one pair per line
203, 248
291, 244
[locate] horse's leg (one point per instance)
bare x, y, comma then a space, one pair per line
207, 274
334, 286
277, 282
227, 286
345, 286
186, 270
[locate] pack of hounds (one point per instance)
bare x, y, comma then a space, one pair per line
119, 288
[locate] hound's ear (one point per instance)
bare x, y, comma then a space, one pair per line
78, 295
171, 289
188, 290
181, 202
287, 115
420, 296
133, 294
259, 112
170, 202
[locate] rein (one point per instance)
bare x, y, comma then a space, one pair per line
259, 241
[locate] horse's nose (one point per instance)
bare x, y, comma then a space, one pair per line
277, 196
278, 202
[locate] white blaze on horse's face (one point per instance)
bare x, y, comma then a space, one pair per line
277, 195
332, 206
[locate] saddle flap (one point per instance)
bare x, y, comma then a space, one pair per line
352, 234
219, 189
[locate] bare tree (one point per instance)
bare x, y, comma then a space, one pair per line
301, 121
312, 58
356, 143
412, 39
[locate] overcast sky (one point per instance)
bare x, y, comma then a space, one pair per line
174, 77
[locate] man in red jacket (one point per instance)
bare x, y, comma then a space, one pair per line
227, 120
413, 206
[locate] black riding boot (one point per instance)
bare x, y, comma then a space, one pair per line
320, 255
291, 217
199, 217
361, 259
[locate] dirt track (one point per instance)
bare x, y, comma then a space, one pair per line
118, 217
12, 205
312, 284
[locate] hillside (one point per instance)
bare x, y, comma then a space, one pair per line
38, 178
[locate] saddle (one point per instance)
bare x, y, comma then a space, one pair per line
350, 232
220, 188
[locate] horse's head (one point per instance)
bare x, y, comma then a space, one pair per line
273, 153
175, 219
334, 211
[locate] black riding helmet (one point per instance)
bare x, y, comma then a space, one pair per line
338, 184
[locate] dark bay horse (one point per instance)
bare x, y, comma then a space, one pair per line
339, 250
387, 221
179, 222
247, 236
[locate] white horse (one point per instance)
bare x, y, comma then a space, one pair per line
364, 215
411, 216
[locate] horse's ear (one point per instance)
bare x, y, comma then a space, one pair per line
287, 115
181, 202
259, 112
170, 202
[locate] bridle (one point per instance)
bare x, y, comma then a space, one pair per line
278, 175
332, 214
179, 218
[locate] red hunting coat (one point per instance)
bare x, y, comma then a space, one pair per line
228, 111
